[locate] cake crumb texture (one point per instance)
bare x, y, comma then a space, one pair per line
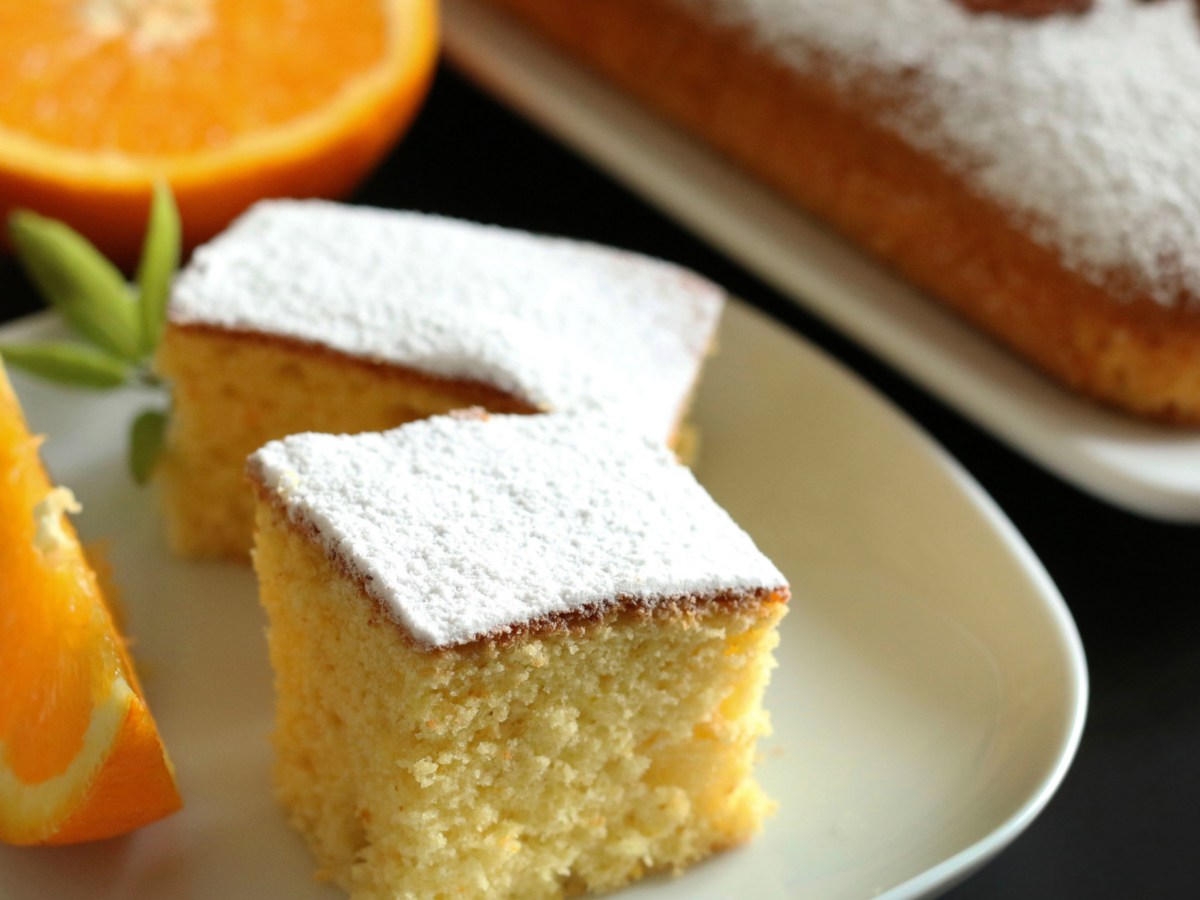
575, 760
233, 393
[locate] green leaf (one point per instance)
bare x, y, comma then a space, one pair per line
160, 258
81, 284
146, 443
68, 363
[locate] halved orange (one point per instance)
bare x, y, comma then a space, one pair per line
80, 756
228, 100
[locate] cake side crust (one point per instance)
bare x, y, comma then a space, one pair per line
823, 146
508, 519
471, 392
761, 602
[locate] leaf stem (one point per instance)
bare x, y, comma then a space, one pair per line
147, 377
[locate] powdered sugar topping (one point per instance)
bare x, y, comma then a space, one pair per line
465, 527
561, 324
1084, 126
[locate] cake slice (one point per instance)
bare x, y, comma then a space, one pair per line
312, 316
516, 656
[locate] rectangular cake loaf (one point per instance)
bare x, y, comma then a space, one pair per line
1027, 163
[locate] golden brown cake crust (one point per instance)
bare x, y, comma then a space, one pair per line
576, 622
824, 148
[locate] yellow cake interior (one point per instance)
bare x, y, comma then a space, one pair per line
554, 762
234, 392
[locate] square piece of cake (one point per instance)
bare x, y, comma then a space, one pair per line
515, 656
314, 316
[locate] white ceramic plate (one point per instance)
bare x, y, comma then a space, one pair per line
1142, 467
929, 698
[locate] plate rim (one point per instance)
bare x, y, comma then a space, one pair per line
960, 865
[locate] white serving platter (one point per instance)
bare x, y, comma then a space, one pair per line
1145, 468
930, 694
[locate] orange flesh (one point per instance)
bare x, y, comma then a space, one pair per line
229, 101
73, 85
48, 627
64, 664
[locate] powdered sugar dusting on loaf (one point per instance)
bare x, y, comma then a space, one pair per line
1085, 126
558, 323
467, 527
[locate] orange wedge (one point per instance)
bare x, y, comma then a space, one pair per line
228, 100
80, 757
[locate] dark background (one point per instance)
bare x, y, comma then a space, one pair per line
1126, 822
